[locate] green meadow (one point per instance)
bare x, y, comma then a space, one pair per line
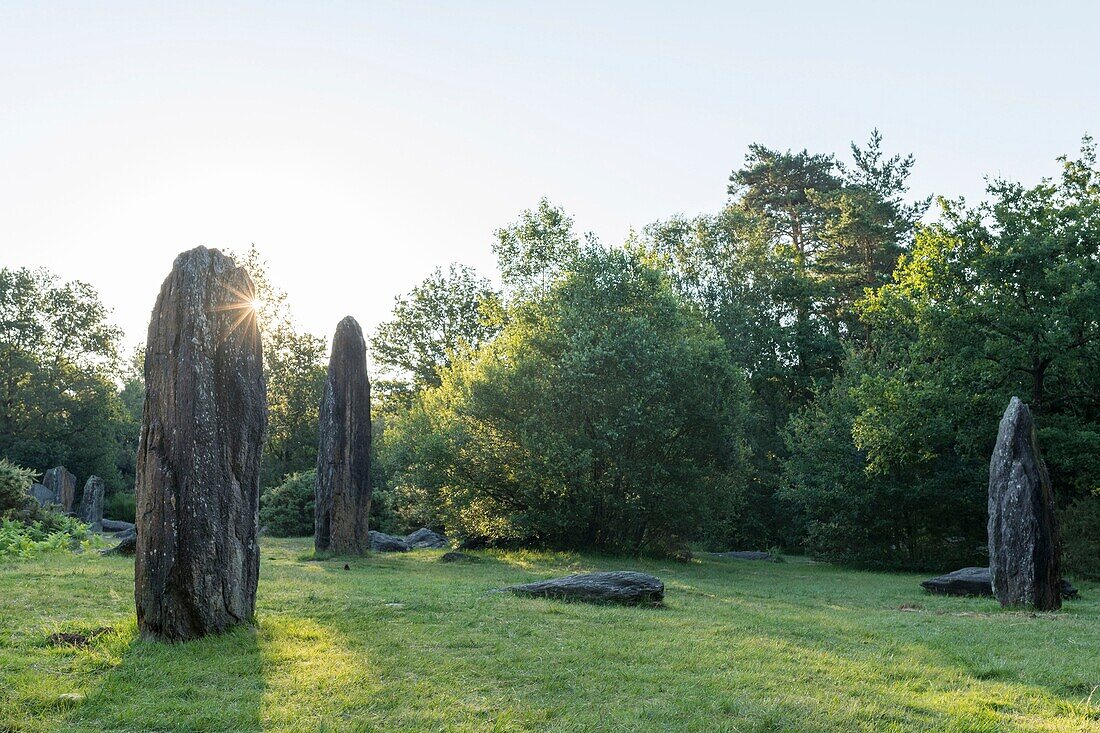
406, 643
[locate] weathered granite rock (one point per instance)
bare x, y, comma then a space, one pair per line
198, 463
343, 491
748, 555
1024, 547
459, 557
621, 586
115, 525
425, 538
91, 504
62, 485
127, 544
975, 582
382, 542
42, 494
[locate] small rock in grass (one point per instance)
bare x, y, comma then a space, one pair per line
459, 557
70, 698
622, 587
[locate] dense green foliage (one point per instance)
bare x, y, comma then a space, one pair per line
405, 643
14, 484
606, 414
286, 510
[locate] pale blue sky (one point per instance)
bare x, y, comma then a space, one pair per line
361, 144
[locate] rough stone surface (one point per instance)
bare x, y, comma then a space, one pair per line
622, 586
127, 544
459, 557
42, 494
343, 490
115, 525
1024, 547
198, 463
62, 485
974, 582
91, 503
748, 555
382, 542
425, 538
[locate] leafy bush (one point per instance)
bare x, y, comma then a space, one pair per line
14, 482
121, 506
1081, 538
286, 510
50, 532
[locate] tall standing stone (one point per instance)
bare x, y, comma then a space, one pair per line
343, 490
198, 465
63, 486
1024, 546
91, 503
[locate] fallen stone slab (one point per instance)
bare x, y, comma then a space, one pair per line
425, 538
127, 544
382, 542
748, 555
622, 587
115, 525
975, 582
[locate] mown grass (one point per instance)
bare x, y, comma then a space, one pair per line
405, 643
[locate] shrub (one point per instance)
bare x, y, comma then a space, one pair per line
42, 531
14, 482
1081, 538
121, 506
286, 510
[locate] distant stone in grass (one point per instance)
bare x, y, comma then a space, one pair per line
1024, 547
975, 582
382, 542
748, 555
91, 504
115, 525
459, 557
62, 484
621, 586
198, 463
425, 538
342, 493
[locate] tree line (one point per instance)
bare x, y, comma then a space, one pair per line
820, 365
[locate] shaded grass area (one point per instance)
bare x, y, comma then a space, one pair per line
405, 643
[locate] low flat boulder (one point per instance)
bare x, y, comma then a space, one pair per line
621, 586
115, 525
459, 557
975, 582
425, 538
382, 542
127, 544
747, 555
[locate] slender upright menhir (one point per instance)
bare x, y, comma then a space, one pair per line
1024, 546
343, 490
198, 465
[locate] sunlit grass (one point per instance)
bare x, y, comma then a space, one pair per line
405, 643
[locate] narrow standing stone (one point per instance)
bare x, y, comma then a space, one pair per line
63, 486
91, 504
1024, 546
343, 490
198, 466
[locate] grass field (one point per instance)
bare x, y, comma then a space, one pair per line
405, 643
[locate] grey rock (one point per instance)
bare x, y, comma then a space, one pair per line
62, 485
459, 557
1024, 547
91, 504
342, 493
115, 525
975, 582
425, 538
127, 544
198, 463
382, 542
42, 494
748, 555
621, 586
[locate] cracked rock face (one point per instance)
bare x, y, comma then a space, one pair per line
63, 486
1024, 545
198, 465
342, 493
91, 503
